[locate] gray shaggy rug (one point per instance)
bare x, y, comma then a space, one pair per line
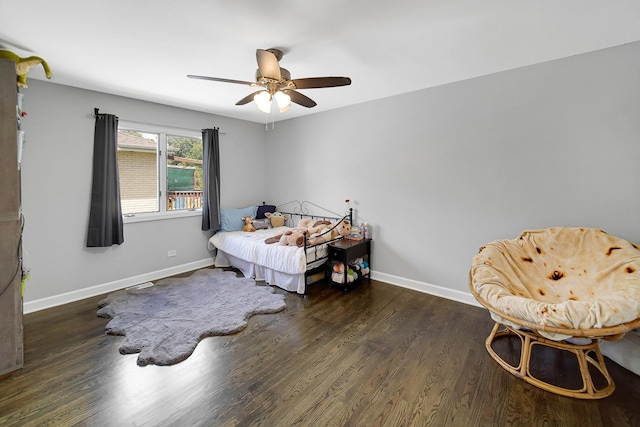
165, 322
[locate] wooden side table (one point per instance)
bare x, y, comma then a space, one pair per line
345, 251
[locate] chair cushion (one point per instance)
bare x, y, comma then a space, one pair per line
563, 277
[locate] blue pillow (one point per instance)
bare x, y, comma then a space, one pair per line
231, 219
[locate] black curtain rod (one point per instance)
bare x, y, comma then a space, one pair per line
96, 112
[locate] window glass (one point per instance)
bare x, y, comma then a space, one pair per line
184, 172
138, 169
160, 170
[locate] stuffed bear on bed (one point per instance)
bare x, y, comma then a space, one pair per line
317, 232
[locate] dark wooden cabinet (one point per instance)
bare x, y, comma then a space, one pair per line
344, 253
11, 342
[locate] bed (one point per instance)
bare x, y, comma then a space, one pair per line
291, 268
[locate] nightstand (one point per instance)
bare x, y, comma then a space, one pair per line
345, 251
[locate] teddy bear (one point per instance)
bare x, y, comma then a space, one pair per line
247, 224
311, 222
317, 231
23, 65
342, 229
318, 234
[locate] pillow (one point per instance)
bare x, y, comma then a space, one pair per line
231, 219
261, 224
263, 209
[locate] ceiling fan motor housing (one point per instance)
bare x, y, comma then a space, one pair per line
275, 79
277, 53
284, 73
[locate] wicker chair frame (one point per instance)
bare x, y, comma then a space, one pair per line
586, 354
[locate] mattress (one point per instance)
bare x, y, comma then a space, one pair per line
250, 247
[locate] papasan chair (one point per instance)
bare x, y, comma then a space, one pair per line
563, 288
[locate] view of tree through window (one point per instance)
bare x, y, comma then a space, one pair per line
184, 172
159, 172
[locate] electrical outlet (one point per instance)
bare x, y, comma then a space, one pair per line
172, 252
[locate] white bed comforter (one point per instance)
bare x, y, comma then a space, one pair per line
252, 248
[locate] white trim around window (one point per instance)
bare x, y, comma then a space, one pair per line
162, 132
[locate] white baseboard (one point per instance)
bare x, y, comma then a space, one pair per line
56, 300
48, 302
427, 288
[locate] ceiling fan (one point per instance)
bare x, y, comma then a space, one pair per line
276, 83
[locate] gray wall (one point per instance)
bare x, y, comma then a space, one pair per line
56, 189
439, 172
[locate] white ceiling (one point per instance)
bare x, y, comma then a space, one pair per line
145, 48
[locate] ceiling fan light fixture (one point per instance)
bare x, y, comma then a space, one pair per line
277, 84
283, 100
263, 101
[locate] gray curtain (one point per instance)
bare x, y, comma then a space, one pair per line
211, 178
105, 215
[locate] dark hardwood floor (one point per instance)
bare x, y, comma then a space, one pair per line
379, 355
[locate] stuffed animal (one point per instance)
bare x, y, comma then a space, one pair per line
261, 224
295, 237
311, 222
319, 234
305, 223
317, 230
273, 239
315, 234
337, 275
363, 266
342, 229
23, 65
288, 238
292, 238
357, 271
247, 224
277, 218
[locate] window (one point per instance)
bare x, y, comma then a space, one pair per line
160, 170
184, 172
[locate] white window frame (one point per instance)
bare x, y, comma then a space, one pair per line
162, 132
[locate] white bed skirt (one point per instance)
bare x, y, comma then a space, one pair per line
278, 265
288, 282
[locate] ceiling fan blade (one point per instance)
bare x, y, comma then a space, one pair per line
318, 82
217, 79
300, 99
268, 64
247, 99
